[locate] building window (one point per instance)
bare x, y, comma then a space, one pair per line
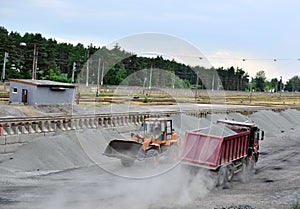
15, 90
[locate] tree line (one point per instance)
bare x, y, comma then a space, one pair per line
56, 61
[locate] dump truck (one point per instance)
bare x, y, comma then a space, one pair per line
158, 139
225, 148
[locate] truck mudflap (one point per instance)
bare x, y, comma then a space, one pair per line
120, 148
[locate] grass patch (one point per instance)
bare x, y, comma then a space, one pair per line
146, 100
296, 205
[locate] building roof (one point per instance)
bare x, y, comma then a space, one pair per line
43, 83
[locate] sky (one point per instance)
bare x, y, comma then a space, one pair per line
226, 32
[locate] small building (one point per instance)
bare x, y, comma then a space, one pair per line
41, 92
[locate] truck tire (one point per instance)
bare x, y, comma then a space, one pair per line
251, 164
230, 173
244, 176
127, 162
225, 175
222, 176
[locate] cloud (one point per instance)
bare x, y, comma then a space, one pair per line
250, 63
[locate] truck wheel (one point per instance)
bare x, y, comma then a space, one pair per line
251, 164
230, 172
126, 162
243, 173
222, 173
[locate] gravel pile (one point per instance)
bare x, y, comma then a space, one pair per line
238, 117
62, 151
291, 115
59, 152
236, 207
271, 122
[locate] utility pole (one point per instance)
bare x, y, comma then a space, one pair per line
213, 83
4, 65
35, 60
250, 96
73, 71
280, 86
87, 69
98, 76
102, 73
197, 80
173, 79
150, 79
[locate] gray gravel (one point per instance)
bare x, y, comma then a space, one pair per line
236, 207
42, 174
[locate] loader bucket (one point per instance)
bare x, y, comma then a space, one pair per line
121, 148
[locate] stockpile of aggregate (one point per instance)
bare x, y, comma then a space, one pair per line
214, 117
183, 123
62, 151
292, 115
236, 207
238, 117
272, 123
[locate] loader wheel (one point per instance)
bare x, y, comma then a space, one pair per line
152, 153
172, 153
126, 162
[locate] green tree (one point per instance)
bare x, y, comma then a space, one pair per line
293, 84
259, 80
274, 84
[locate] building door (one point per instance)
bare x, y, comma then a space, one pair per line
24, 95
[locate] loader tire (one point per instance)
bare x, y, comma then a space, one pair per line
172, 153
152, 153
126, 162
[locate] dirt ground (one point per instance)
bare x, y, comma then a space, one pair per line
68, 171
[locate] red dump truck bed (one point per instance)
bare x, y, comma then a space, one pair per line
215, 146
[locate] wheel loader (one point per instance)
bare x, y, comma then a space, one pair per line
158, 139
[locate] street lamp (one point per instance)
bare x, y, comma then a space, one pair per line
35, 58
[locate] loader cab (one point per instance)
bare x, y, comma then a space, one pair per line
160, 128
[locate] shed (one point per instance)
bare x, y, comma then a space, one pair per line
41, 92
